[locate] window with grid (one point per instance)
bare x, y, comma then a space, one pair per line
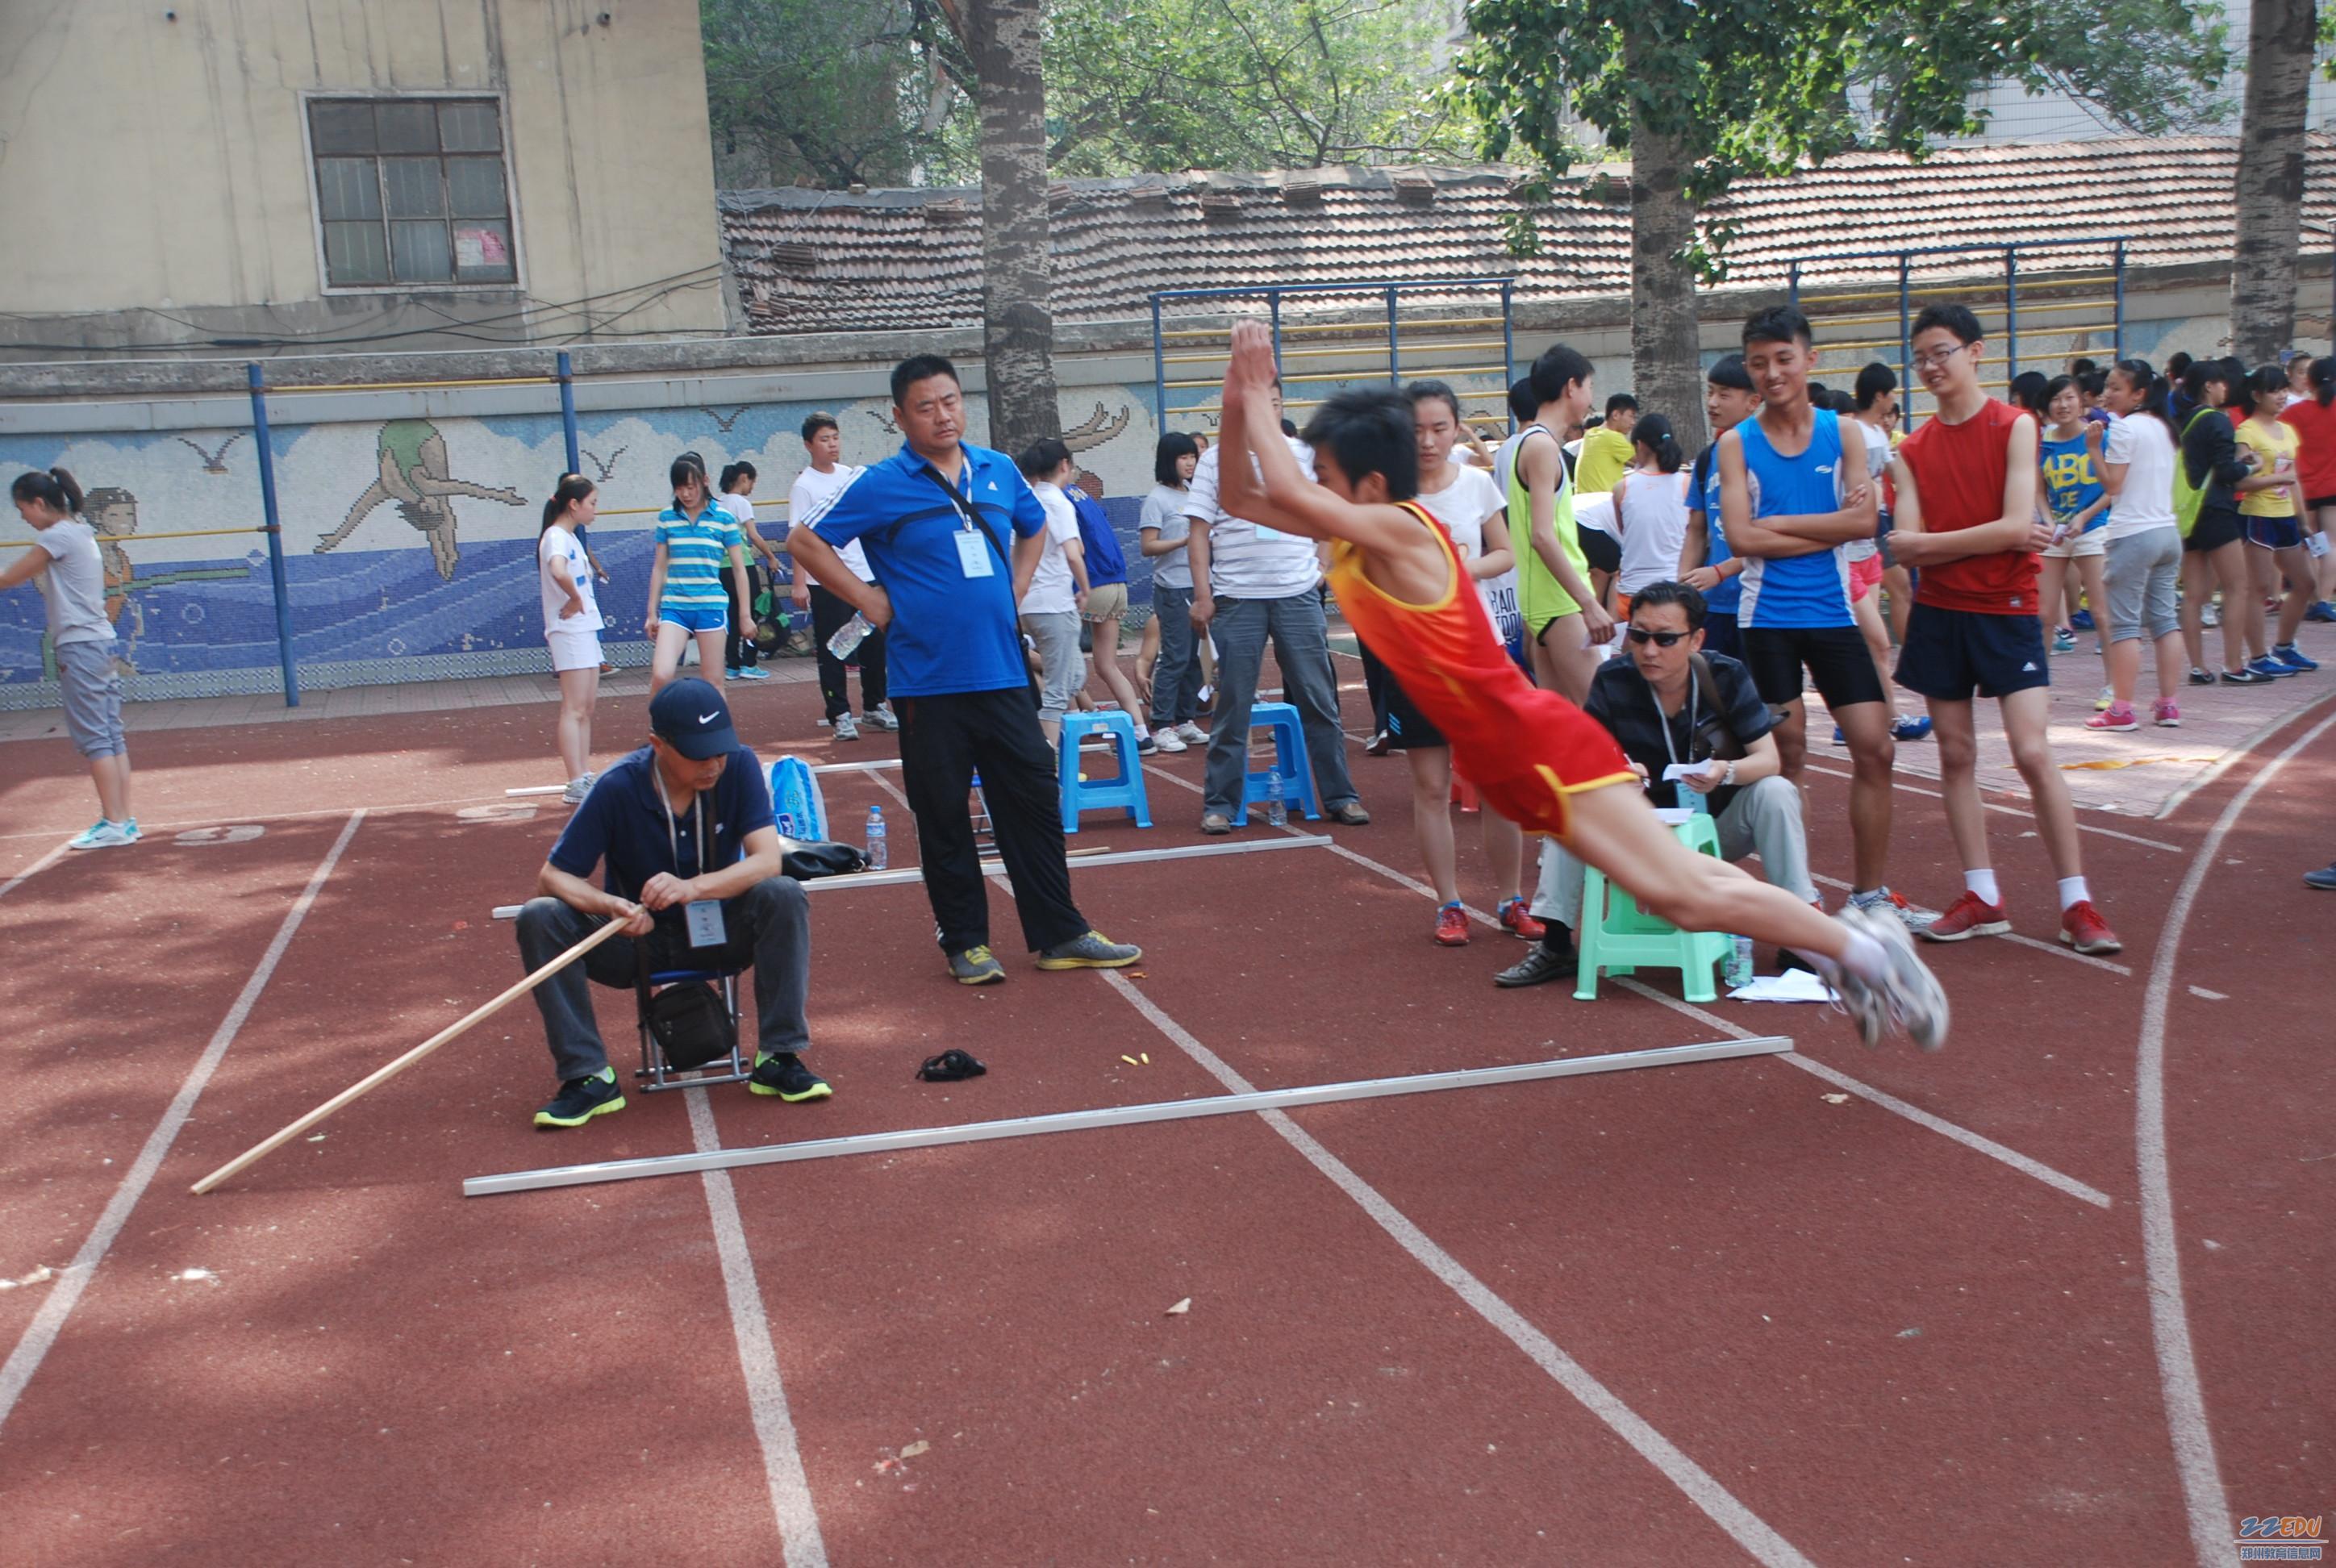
410, 191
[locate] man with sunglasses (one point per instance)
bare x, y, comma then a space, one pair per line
1665, 712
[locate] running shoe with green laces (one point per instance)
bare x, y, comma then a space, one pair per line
977, 965
581, 1099
1094, 950
785, 1075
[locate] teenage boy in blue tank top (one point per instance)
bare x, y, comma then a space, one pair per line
1788, 506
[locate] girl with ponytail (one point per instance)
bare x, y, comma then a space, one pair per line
1650, 508
64, 560
571, 622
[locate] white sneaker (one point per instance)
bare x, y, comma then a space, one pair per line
880, 717
1908, 997
577, 788
2107, 698
102, 834
845, 729
1167, 740
1191, 734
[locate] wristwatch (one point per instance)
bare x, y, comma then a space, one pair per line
1728, 777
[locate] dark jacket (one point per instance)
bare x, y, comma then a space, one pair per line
2210, 455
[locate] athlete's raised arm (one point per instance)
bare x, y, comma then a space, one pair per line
1258, 477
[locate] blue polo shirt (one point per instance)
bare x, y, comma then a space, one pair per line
949, 632
623, 823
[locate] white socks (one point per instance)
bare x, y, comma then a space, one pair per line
1980, 883
2072, 892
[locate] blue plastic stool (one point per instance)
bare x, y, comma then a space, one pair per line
1288, 759
1126, 791
1618, 937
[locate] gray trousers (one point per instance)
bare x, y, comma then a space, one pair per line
769, 931
1176, 679
1301, 647
1764, 819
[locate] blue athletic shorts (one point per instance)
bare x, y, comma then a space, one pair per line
696, 616
2275, 532
1951, 653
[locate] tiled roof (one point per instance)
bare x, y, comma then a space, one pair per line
821, 261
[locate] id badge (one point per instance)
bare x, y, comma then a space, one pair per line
973, 554
703, 918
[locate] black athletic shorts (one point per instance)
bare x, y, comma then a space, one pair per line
1602, 549
1951, 653
2216, 527
1834, 655
1406, 726
1721, 635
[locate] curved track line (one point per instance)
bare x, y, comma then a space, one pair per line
2169, 1317
2232, 757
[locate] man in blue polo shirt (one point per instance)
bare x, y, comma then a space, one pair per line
684, 826
953, 534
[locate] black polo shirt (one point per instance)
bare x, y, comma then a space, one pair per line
623, 823
1622, 700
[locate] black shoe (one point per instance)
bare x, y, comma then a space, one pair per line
2245, 676
1539, 966
580, 1100
785, 1075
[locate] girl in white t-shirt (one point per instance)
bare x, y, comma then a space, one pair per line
63, 561
571, 622
1474, 512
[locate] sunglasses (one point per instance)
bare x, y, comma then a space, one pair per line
1660, 639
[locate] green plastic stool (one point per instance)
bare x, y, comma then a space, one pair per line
1618, 937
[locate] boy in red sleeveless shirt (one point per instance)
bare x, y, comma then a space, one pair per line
1967, 522
1534, 757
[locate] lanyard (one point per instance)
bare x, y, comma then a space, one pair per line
964, 512
672, 830
1664, 719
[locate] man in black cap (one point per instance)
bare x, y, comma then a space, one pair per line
684, 827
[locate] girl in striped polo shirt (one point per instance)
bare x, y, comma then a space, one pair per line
695, 539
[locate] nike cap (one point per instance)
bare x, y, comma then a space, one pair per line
691, 716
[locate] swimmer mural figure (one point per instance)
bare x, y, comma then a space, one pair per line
415, 475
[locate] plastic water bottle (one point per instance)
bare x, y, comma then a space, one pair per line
876, 853
849, 636
1737, 971
1277, 815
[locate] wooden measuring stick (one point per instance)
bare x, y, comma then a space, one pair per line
381, 1076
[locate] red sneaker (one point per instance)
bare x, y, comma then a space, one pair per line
2082, 928
1452, 925
1520, 922
1966, 918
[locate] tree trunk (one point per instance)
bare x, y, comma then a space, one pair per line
1018, 322
2270, 195
1666, 353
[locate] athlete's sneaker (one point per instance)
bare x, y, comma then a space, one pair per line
1451, 927
2201, 677
730, 672
1907, 996
844, 728
785, 1075
1517, 919
2247, 675
1915, 728
2082, 620
880, 717
2166, 714
2272, 667
2115, 717
2320, 611
1377, 746
2082, 928
2063, 640
1839, 738
2210, 614
2324, 880
2106, 700
577, 788
1968, 916
2289, 654
1191, 734
1167, 740
102, 834
1882, 901
130, 825
580, 1100
1094, 950
1146, 744
977, 965
1540, 966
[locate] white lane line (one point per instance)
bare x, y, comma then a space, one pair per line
1724, 1509
35, 869
154, 827
758, 1358
2232, 757
2014, 938
2023, 812
1978, 1142
50, 1320
2204, 995
2169, 1315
